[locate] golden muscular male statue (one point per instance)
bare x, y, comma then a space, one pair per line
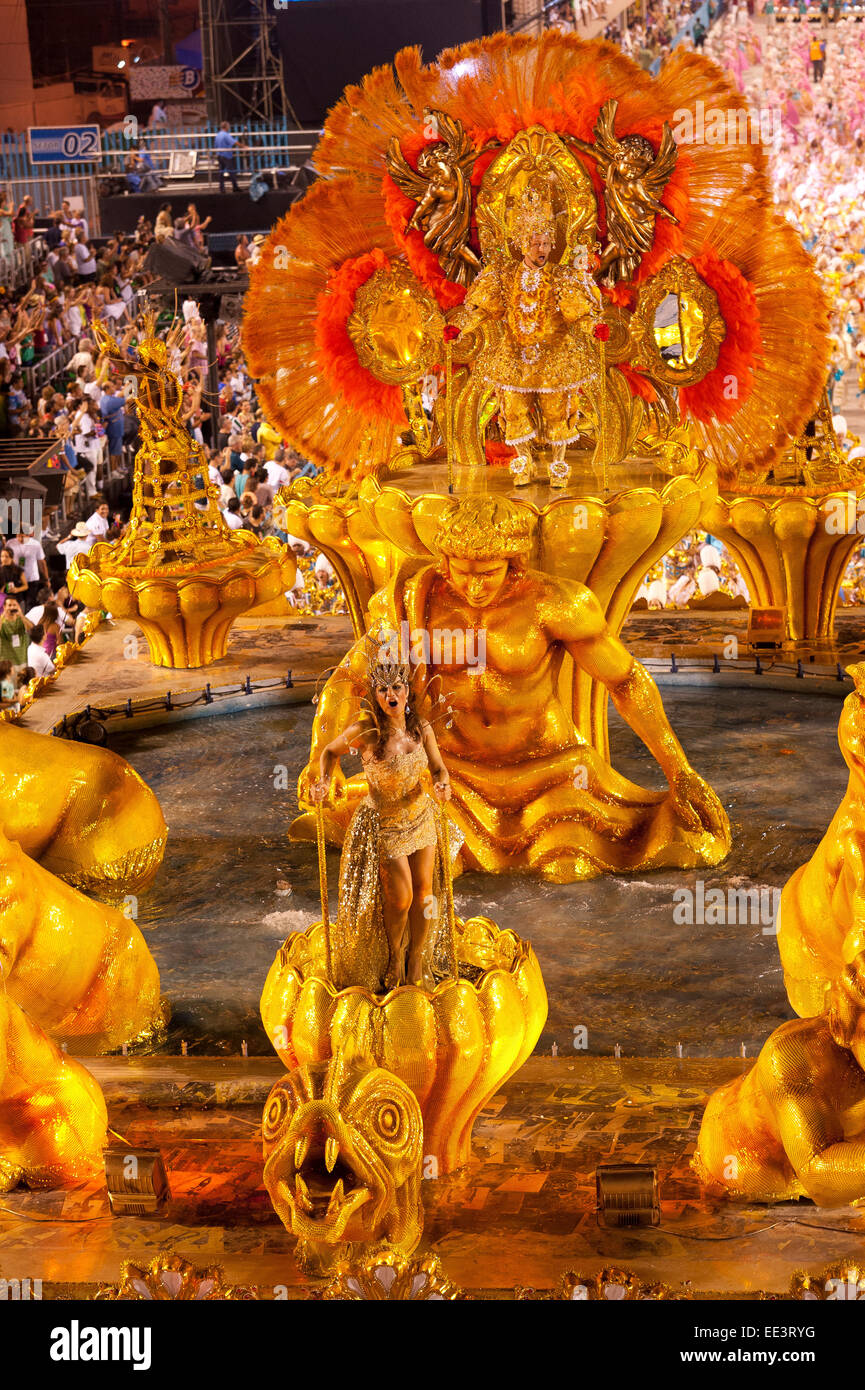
528, 792
794, 1124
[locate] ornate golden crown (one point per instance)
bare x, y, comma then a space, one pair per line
533, 216
484, 528
383, 663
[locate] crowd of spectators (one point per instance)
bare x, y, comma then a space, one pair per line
644, 31
90, 410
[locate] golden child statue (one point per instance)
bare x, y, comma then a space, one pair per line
442, 190
388, 894
545, 356
793, 1125
529, 793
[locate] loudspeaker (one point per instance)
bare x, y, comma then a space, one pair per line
137, 1181
627, 1194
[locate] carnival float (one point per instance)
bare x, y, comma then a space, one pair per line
533, 336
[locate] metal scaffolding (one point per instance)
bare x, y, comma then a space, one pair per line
243, 75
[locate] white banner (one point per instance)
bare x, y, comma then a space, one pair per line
154, 83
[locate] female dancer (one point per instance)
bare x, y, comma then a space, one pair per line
388, 880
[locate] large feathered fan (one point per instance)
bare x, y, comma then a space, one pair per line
717, 213
310, 383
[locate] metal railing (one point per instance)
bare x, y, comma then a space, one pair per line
48, 367
277, 145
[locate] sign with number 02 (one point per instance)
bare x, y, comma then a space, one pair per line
65, 144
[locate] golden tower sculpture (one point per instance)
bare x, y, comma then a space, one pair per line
180, 571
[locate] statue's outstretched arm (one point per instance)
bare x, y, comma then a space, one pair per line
597, 650
580, 625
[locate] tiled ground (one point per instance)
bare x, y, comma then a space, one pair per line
521, 1214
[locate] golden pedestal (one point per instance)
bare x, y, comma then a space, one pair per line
454, 1047
186, 612
789, 554
179, 570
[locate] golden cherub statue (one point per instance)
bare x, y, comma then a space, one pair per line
441, 188
635, 176
545, 355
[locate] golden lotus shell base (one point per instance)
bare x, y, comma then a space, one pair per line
454, 1046
185, 611
790, 554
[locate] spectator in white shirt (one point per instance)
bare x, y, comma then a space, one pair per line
277, 475
97, 523
85, 261
28, 553
84, 357
78, 542
37, 657
233, 519
226, 486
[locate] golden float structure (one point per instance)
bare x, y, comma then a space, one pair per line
791, 1126
608, 319
607, 544
454, 1046
819, 921
792, 537
81, 812
53, 1121
73, 970
180, 572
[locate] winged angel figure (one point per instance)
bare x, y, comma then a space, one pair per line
441, 189
634, 179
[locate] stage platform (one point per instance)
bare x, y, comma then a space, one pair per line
231, 212
520, 1215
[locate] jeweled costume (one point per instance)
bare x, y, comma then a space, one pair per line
396, 817
545, 356
541, 363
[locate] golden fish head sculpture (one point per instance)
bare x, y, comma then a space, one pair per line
343, 1153
454, 1046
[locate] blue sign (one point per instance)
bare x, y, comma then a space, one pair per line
65, 144
190, 78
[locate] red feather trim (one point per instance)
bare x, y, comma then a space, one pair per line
499, 454
638, 385
335, 350
740, 350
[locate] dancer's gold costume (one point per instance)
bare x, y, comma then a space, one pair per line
396, 818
